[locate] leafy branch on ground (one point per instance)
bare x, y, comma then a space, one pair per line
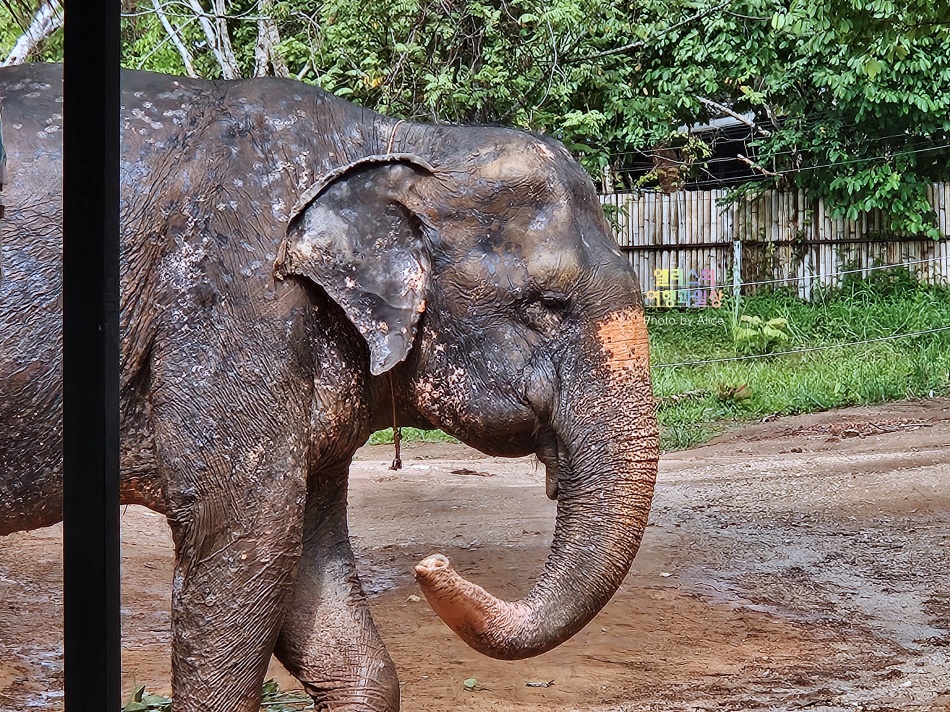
273, 700
140, 701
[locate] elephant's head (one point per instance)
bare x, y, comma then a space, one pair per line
488, 288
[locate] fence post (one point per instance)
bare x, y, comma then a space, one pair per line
736, 269
92, 646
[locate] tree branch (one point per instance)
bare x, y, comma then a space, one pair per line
729, 112
47, 20
229, 68
186, 57
640, 43
756, 167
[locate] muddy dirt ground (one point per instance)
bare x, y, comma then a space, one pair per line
796, 564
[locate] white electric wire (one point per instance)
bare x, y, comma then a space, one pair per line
804, 350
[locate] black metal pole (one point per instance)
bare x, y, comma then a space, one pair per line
91, 356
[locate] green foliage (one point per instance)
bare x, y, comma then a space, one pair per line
851, 97
10, 30
469, 62
139, 701
861, 89
273, 700
410, 435
754, 335
11, 27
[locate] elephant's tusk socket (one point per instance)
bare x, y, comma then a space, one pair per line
489, 625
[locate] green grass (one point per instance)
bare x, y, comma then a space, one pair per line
412, 435
800, 383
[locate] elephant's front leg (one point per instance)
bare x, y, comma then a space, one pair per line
328, 640
237, 545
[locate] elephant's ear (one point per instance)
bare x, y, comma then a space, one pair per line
352, 234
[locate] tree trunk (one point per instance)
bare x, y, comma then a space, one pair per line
47, 20
224, 41
186, 57
217, 42
265, 52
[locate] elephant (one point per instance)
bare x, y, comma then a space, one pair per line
296, 273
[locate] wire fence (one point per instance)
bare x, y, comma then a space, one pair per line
804, 350
836, 275
825, 347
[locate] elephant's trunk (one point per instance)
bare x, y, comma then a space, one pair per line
607, 449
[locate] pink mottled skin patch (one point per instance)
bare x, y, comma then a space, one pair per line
623, 336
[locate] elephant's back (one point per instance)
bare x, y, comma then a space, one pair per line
30, 269
31, 230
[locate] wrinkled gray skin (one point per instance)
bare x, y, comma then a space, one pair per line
277, 287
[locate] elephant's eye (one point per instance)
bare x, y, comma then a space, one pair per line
544, 311
554, 301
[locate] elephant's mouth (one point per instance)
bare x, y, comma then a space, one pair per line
553, 455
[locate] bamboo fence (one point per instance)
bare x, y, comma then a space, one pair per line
775, 240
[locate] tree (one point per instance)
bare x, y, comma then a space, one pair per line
864, 92
850, 99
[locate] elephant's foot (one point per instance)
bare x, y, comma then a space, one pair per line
341, 674
328, 640
338, 697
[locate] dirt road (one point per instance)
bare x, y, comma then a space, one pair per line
796, 564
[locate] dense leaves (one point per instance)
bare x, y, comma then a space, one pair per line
864, 89
850, 99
